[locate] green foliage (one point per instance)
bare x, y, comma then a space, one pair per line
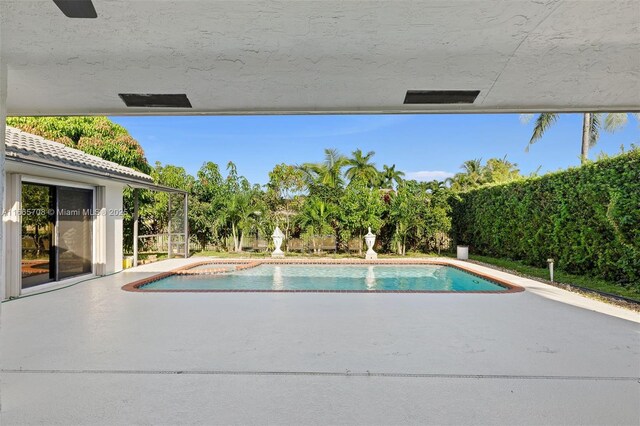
242, 208
207, 198
68, 130
37, 224
474, 174
360, 207
587, 219
284, 196
315, 219
285, 182
419, 212
123, 150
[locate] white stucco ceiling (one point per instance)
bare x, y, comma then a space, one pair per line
323, 56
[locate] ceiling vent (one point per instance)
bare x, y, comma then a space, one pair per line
441, 96
77, 8
149, 100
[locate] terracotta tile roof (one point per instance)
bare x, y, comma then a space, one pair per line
23, 145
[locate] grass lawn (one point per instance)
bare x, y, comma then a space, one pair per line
562, 277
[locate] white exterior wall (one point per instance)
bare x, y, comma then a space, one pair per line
107, 231
114, 229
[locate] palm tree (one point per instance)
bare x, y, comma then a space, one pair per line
473, 171
390, 177
498, 170
331, 171
436, 185
236, 213
328, 173
473, 167
241, 208
361, 169
472, 176
591, 125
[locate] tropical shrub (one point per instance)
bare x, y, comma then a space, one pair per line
586, 218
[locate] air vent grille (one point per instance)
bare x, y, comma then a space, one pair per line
150, 100
77, 8
441, 96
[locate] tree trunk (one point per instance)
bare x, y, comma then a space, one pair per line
236, 240
36, 240
241, 235
286, 235
233, 235
586, 136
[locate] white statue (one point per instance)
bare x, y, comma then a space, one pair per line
370, 240
278, 238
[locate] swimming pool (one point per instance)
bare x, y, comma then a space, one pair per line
328, 278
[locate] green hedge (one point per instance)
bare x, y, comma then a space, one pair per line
587, 219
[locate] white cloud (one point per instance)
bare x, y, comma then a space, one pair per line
429, 175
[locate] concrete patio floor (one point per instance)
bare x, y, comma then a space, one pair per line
94, 354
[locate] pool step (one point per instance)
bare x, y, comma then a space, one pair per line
217, 271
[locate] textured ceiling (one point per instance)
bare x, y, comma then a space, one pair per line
322, 56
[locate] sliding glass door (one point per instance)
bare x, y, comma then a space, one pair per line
57, 233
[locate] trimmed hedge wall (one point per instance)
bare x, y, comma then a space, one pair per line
586, 218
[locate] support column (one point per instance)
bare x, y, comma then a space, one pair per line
100, 237
135, 226
3, 206
186, 225
12, 234
169, 229
3, 128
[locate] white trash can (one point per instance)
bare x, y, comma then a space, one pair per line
463, 252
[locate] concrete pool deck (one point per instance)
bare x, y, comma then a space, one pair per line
94, 354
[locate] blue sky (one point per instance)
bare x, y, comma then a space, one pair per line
423, 146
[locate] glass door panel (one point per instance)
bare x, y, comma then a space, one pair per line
74, 229
37, 234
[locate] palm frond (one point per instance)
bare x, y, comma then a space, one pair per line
333, 158
614, 121
594, 129
543, 122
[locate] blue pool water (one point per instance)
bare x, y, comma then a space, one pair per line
333, 277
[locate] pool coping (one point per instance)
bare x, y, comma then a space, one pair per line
137, 286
